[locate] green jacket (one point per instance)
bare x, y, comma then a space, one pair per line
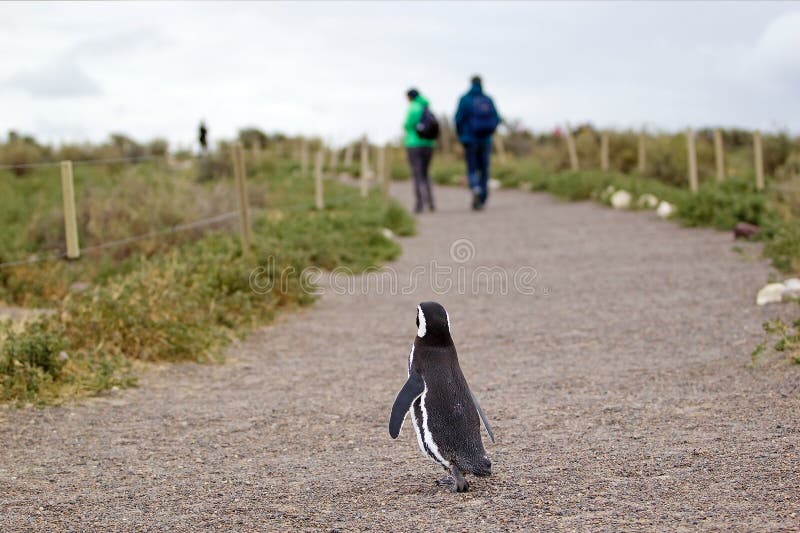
415, 109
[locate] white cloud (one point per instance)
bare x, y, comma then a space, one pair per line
341, 69
56, 80
777, 52
113, 43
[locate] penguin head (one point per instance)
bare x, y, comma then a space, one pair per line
433, 323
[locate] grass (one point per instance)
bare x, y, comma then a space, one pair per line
781, 337
719, 205
182, 300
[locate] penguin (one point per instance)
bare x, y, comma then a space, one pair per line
445, 413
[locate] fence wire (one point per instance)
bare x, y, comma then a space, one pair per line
107, 161
34, 259
127, 240
56, 255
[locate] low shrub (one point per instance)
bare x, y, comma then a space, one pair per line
782, 245
30, 361
447, 172
781, 337
398, 220
20, 155
722, 205
190, 299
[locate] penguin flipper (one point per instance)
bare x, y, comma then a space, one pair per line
483, 416
410, 392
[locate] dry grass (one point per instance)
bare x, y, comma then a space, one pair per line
181, 297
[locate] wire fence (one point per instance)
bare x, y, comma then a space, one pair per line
70, 216
33, 260
785, 188
127, 240
165, 231
238, 167
106, 161
55, 255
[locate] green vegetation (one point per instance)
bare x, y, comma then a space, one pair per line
719, 205
666, 152
182, 296
176, 298
782, 337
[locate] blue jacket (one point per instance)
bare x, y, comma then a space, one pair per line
462, 116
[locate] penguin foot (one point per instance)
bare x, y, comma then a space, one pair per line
447, 480
460, 484
463, 487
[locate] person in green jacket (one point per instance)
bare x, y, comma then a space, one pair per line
420, 151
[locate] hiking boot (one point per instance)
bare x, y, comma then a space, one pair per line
476, 202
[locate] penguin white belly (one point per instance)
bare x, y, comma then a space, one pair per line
425, 439
418, 426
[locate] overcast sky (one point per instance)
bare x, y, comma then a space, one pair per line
72, 72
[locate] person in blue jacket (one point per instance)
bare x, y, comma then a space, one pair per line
476, 121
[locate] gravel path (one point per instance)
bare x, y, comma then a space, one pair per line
618, 391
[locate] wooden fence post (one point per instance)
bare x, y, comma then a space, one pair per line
604, 151
642, 158
333, 162
692, 154
758, 155
348, 156
501, 149
239, 173
304, 159
70, 218
445, 134
319, 202
364, 167
719, 153
573, 152
383, 172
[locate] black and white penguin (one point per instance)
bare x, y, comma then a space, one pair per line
445, 413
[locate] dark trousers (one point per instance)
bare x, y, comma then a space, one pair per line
419, 158
477, 155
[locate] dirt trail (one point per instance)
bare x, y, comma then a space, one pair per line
618, 391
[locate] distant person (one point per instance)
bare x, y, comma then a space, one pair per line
202, 135
419, 141
476, 122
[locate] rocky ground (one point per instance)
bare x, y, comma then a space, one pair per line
615, 375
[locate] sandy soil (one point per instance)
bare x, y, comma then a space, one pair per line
619, 392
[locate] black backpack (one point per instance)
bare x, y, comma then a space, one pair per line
428, 126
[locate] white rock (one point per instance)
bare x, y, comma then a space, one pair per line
791, 288
770, 293
647, 200
665, 209
792, 284
494, 184
386, 232
621, 199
